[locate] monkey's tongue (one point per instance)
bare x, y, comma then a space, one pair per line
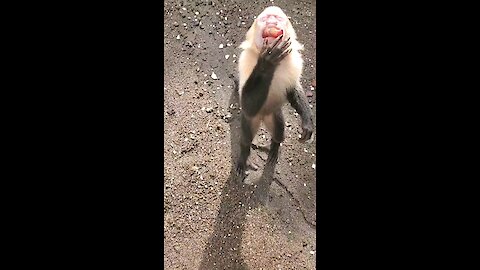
272, 32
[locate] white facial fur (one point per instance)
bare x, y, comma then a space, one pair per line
271, 16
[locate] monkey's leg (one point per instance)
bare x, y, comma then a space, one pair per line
277, 127
298, 100
248, 129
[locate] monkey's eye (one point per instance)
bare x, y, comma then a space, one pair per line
263, 18
279, 18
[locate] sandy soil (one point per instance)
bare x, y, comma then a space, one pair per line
211, 221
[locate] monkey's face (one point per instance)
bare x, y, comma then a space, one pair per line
270, 24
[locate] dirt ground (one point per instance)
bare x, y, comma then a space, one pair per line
210, 220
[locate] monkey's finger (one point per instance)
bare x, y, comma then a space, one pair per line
264, 47
265, 43
277, 41
273, 50
284, 54
285, 45
285, 42
278, 51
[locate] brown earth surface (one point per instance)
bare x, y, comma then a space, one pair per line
210, 220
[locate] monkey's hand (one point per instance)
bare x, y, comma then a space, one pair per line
273, 55
307, 131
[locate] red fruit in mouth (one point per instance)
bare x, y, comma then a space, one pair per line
272, 32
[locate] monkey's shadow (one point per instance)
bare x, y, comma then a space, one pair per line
223, 250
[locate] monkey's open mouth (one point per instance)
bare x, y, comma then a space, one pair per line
272, 32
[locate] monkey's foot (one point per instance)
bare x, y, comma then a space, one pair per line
306, 133
239, 172
272, 159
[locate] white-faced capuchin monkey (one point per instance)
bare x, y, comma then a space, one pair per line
270, 67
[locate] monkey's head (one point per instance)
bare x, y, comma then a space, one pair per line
270, 24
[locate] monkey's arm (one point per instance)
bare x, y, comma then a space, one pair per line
298, 100
255, 90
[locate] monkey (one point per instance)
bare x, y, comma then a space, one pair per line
270, 67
